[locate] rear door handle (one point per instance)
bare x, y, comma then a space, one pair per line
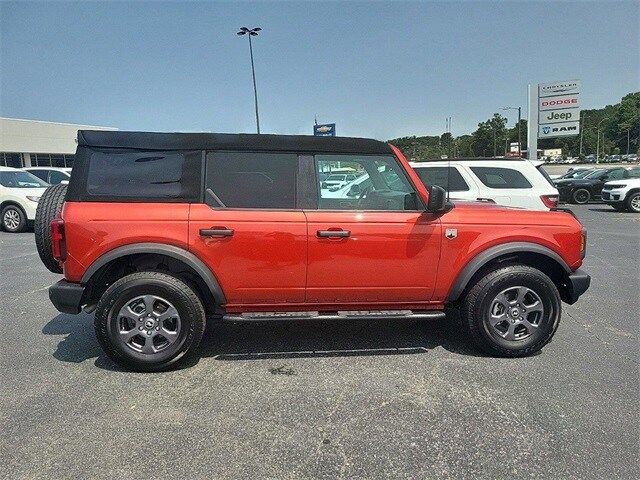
216, 232
333, 233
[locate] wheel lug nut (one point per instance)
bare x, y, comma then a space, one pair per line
148, 332
140, 327
157, 328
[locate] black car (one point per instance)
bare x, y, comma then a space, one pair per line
581, 190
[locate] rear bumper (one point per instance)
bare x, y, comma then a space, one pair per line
66, 296
577, 283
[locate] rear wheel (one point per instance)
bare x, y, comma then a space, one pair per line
512, 311
581, 196
633, 202
149, 321
14, 219
49, 207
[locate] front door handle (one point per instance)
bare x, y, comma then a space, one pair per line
333, 233
216, 232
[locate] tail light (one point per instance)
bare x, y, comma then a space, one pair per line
550, 201
58, 245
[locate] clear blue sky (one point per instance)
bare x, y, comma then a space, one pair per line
376, 69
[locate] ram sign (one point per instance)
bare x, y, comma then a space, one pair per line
558, 109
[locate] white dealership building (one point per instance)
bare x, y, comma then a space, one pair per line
33, 143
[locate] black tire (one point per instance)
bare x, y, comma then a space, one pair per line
49, 207
108, 322
481, 298
13, 219
581, 196
632, 203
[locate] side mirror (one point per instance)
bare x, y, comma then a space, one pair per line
437, 199
354, 191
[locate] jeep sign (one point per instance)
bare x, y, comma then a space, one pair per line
559, 116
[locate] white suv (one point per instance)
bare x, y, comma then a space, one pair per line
511, 182
623, 194
19, 195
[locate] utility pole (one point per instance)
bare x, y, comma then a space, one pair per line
252, 32
581, 130
519, 121
628, 131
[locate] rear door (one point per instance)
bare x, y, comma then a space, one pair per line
249, 230
452, 178
374, 245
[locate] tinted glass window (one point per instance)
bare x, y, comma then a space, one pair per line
21, 180
41, 174
499, 177
56, 177
634, 173
253, 180
378, 184
616, 174
438, 176
147, 176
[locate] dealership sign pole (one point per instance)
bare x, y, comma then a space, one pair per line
554, 111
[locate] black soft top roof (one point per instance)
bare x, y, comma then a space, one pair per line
229, 141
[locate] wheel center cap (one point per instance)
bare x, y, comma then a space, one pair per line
150, 323
515, 313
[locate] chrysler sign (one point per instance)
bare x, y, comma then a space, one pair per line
558, 109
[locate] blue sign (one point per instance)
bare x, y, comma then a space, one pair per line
325, 130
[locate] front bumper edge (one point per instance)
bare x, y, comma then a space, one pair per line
66, 296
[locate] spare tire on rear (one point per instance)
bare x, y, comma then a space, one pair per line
49, 207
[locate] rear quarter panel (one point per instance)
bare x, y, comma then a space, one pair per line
94, 228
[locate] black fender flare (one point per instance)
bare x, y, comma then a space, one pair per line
485, 256
160, 249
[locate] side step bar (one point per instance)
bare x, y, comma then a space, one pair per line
340, 315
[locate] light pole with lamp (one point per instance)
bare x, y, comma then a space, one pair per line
598, 139
252, 32
519, 118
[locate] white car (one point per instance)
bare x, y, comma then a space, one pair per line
336, 181
19, 195
511, 182
51, 175
623, 194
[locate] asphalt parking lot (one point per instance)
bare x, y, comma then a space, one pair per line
376, 399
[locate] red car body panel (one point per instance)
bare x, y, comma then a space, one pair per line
275, 261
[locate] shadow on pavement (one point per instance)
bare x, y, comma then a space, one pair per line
231, 341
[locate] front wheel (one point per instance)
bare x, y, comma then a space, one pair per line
13, 219
149, 321
512, 311
633, 202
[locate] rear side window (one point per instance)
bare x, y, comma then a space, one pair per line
144, 175
546, 176
438, 176
253, 180
500, 177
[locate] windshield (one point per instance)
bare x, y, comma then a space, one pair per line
21, 180
577, 173
595, 174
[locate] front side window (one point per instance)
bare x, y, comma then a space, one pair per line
21, 180
144, 175
253, 180
500, 177
445, 177
377, 183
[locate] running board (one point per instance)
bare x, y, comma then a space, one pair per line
340, 315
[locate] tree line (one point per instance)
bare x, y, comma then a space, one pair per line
617, 127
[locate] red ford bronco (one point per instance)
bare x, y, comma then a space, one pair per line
158, 232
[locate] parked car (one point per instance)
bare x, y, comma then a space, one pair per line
338, 180
573, 172
19, 195
235, 227
513, 182
589, 187
51, 175
623, 194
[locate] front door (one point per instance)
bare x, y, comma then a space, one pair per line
370, 242
249, 231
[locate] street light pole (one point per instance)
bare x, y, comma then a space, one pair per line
598, 139
252, 32
519, 121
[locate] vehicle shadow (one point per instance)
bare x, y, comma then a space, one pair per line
281, 339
